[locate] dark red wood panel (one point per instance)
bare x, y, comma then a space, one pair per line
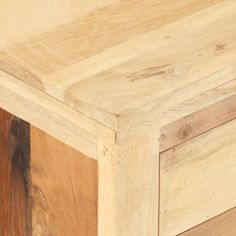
14, 165
5, 174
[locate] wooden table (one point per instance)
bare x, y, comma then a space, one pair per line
118, 118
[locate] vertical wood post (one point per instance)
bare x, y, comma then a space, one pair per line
129, 187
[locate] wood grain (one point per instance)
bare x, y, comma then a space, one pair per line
129, 187
197, 180
5, 174
57, 188
222, 225
48, 114
64, 188
14, 166
103, 77
23, 20
123, 65
20, 179
197, 123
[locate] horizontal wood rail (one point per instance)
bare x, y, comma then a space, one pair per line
197, 123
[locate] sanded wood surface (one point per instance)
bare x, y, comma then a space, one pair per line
128, 187
119, 62
64, 188
197, 180
51, 116
198, 123
222, 225
103, 77
22, 20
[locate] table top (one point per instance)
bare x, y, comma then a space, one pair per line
120, 61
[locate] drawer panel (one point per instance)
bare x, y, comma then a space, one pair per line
197, 180
222, 225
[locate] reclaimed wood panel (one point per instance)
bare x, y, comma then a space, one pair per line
197, 180
14, 166
20, 179
64, 188
5, 174
54, 193
222, 225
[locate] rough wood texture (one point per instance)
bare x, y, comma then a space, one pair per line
14, 165
5, 174
197, 180
20, 179
59, 190
103, 77
206, 99
222, 225
64, 188
128, 187
50, 115
198, 123
123, 65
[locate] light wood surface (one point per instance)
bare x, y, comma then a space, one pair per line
63, 190
129, 187
197, 123
119, 62
103, 77
67, 125
222, 225
23, 19
203, 100
197, 180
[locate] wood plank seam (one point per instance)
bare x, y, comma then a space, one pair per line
159, 191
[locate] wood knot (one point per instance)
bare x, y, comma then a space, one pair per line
149, 72
220, 46
185, 131
41, 225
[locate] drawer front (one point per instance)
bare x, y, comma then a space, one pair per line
197, 180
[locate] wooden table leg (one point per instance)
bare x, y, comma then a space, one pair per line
129, 187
